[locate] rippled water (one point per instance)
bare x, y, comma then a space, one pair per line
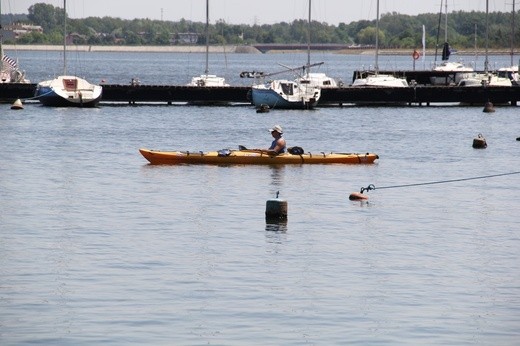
98, 247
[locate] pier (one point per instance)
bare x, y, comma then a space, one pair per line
342, 96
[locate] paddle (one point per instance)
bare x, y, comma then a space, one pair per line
261, 151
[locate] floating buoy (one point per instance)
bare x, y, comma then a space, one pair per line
488, 107
357, 196
518, 138
276, 209
263, 109
479, 142
17, 104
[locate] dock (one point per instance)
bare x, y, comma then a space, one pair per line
341, 96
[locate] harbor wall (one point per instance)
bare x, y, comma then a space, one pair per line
227, 49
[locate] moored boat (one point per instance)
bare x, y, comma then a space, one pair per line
68, 91
287, 94
252, 157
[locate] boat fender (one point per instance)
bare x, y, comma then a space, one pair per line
224, 152
479, 142
296, 150
357, 196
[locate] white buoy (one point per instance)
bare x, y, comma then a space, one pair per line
276, 209
17, 104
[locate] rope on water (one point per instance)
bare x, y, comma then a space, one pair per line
37, 97
373, 187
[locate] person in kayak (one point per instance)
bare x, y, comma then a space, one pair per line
278, 146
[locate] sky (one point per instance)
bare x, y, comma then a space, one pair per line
255, 11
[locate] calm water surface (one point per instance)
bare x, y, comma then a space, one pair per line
98, 247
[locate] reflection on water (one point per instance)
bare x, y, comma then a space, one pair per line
276, 232
277, 175
279, 227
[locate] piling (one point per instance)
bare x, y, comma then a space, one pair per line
276, 209
479, 142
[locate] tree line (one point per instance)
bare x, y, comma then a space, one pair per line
465, 30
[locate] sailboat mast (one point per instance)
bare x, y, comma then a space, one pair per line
446, 22
206, 71
486, 63
64, 37
309, 40
1, 39
438, 32
376, 66
513, 34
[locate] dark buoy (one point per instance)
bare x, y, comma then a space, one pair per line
488, 107
479, 142
518, 138
357, 196
276, 209
263, 109
17, 104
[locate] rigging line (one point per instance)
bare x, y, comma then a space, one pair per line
372, 187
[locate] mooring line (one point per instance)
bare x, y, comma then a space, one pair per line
373, 187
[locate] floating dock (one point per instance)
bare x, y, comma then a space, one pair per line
342, 96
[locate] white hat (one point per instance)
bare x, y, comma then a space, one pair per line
276, 128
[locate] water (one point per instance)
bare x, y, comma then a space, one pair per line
97, 247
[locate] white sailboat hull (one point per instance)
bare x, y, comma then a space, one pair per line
68, 91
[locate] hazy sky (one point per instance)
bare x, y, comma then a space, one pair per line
255, 11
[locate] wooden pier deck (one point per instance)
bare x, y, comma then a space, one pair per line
417, 95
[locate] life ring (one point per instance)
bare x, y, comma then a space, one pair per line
416, 55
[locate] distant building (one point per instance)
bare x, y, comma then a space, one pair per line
186, 38
15, 31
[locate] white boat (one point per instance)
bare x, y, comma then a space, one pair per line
206, 79
380, 80
460, 71
318, 79
67, 90
511, 72
303, 92
376, 79
486, 78
9, 71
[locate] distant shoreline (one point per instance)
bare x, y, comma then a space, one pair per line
230, 49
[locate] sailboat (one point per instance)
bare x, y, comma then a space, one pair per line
302, 93
67, 90
485, 78
206, 79
512, 72
379, 80
460, 70
9, 71
318, 79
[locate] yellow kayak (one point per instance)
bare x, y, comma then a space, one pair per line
252, 157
